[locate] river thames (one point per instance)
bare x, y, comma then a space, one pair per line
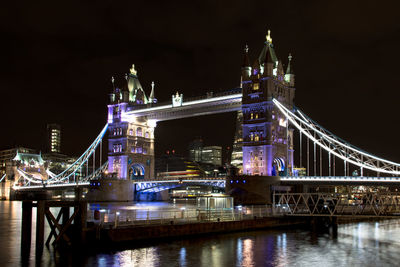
356, 244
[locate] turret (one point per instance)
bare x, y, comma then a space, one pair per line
136, 93
289, 76
112, 94
246, 69
130, 78
152, 99
268, 56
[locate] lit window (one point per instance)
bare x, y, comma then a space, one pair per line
139, 132
251, 137
256, 115
256, 138
251, 116
147, 134
256, 86
130, 132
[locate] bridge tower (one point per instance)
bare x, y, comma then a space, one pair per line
267, 139
131, 140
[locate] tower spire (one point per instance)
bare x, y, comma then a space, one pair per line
152, 99
289, 75
246, 68
246, 60
289, 69
268, 37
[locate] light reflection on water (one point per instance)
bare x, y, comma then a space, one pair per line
359, 244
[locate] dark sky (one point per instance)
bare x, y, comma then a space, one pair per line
58, 57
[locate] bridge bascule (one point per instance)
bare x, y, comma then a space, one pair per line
270, 124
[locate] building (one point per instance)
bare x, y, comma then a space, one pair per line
237, 153
54, 138
207, 155
195, 148
130, 144
267, 139
8, 154
7, 173
212, 155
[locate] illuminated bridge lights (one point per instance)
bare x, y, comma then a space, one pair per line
204, 106
16, 187
336, 146
349, 179
157, 186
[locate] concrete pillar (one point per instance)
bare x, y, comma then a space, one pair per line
41, 204
26, 228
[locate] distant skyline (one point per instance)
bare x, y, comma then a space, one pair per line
59, 58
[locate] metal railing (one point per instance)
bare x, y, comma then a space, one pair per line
140, 217
335, 204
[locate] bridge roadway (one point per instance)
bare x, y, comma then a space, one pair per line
210, 104
154, 185
171, 182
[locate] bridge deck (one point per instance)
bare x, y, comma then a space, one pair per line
209, 105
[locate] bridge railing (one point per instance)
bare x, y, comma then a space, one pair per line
147, 216
335, 204
182, 177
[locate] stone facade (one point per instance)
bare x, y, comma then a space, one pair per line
267, 139
131, 141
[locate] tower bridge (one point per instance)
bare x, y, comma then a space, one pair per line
270, 127
180, 108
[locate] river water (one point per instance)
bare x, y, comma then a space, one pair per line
356, 244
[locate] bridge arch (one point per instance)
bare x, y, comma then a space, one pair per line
278, 167
136, 171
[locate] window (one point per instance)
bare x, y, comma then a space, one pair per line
256, 137
147, 135
251, 116
256, 86
256, 115
139, 131
130, 132
251, 136
117, 148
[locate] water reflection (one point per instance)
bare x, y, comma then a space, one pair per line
360, 244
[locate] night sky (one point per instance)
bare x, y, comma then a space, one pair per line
57, 61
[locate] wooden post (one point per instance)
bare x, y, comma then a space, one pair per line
41, 204
78, 193
65, 215
26, 228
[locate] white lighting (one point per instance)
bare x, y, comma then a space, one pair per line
290, 116
152, 123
